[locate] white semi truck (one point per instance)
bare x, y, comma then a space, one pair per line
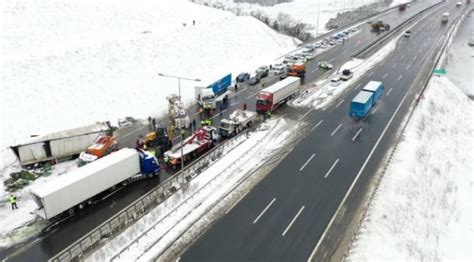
81, 186
238, 121
60, 145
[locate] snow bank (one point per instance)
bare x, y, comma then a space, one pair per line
422, 209
179, 212
296, 11
16, 225
69, 63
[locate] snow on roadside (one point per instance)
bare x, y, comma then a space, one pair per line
16, 225
423, 207
224, 174
322, 93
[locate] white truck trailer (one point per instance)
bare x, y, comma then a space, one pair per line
271, 97
60, 145
78, 187
238, 121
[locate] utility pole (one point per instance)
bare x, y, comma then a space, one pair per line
317, 21
179, 94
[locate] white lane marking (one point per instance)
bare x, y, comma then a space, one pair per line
358, 86
425, 44
315, 126
307, 161
292, 221
314, 70
179, 258
265, 210
343, 52
394, 65
332, 59
386, 74
389, 91
403, 56
310, 258
414, 58
400, 77
305, 114
371, 73
375, 110
240, 199
233, 104
338, 104
332, 167
408, 66
252, 95
335, 130
358, 132
241, 90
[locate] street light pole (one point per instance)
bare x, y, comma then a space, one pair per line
179, 94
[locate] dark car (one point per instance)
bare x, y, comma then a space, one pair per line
254, 80
242, 77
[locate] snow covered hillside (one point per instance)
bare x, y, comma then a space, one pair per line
422, 209
69, 63
315, 13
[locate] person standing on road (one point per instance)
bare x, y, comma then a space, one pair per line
193, 124
263, 84
13, 202
244, 106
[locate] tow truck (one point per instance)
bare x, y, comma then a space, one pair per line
195, 145
239, 120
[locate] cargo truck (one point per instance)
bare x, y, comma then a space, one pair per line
271, 97
213, 91
61, 145
238, 121
84, 186
365, 99
193, 146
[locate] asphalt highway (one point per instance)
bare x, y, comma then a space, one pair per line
285, 215
326, 151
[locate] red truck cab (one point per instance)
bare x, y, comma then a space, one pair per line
264, 102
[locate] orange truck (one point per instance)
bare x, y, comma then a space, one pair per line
102, 146
297, 69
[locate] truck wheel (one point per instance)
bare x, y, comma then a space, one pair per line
71, 211
82, 205
125, 182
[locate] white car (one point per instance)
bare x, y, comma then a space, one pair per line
335, 81
308, 55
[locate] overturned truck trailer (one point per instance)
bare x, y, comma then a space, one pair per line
60, 145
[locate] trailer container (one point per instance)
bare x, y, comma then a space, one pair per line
374, 87
80, 186
60, 145
271, 97
361, 104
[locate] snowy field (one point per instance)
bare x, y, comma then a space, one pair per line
70, 63
422, 210
173, 217
17, 225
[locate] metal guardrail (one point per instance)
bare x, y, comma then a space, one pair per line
144, 204
375, 44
